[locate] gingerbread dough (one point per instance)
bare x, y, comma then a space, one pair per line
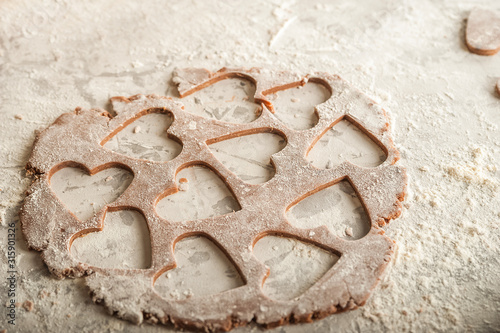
483, 32
77, 139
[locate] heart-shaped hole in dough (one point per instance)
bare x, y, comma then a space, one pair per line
84, 194
230, 100
337, 207
249, 156
294, 266
146, 138
295, 107
124, 242
202, 269
201, 194
345, 142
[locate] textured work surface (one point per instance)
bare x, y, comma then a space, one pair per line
409, 57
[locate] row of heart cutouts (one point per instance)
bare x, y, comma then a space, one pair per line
247, 156
202, 268
232, 100
202, 194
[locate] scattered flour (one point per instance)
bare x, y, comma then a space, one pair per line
447, 122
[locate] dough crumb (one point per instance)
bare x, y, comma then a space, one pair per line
137, 129
28, 306
19, 117
188, 293
183, 187
42, 294
348, 231
109, 178
137, 64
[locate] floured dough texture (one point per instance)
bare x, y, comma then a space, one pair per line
78, 139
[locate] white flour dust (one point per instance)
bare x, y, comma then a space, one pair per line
410, 57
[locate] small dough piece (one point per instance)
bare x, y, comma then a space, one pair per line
483, 32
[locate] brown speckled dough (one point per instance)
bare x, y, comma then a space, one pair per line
483, 32
77, 138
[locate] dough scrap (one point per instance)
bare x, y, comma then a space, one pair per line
77, 139
483, 32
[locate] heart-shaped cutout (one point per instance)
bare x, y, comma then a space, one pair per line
295, 106
230, 100
124, 242
146, 138
337, 207
202, 269
483, 32
294, 266
249, 156
345, 142
202, 194
85, 195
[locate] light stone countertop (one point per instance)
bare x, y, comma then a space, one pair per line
408, 56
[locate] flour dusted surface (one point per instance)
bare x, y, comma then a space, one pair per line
410, 57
